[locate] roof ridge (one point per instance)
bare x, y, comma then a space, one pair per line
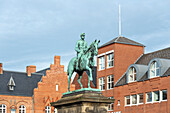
157, 51
23, 72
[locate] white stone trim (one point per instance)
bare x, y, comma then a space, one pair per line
109, 52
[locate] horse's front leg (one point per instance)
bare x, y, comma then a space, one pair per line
90, 76
79, 79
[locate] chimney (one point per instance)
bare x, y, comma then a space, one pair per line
56, 60
31, 69
1, 68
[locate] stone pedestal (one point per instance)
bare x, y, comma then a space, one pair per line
83, 102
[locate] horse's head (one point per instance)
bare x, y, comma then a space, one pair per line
95, 47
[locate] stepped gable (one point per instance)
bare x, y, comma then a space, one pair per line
146, 58
24, 85
53, 85
122, 40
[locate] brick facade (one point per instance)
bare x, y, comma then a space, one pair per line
154, 84
124, 55
44, 94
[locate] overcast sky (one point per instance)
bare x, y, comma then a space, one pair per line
32, 32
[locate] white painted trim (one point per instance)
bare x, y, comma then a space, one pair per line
101, 55
109, 52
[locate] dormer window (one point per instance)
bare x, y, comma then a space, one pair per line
154, 69
132, 74
11, 84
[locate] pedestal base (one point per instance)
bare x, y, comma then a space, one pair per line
83, 102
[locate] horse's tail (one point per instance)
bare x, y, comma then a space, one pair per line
70, 67
68, 70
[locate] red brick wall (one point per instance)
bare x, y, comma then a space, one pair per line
46, 91
154, 84
124, 55
15, 101
84, 81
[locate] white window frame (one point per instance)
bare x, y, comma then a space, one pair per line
160, 96
47, 109
126, 100
111, 105
110, 60
138, 98
148, 97
102, 83
101, 63
154, 69
110, 82
130, 97
133, 74
118, 103
22, 109
3, 108
55, 110
56, 87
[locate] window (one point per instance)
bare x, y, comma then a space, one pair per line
102, 63
2, 108
102, 83
55, 110
132, 74
164, 94
56, 87
127, 100
134, 99
110, 82
140, 98
22, 109
47, 109
154, 69
110, 106
156, 96
110, 60
118, 102
149, 97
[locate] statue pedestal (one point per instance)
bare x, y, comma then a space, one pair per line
83, 101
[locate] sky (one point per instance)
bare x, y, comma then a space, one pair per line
32, 32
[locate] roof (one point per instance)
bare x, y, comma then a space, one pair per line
43, 71
161, 56
24, 85
146, 58
122, 40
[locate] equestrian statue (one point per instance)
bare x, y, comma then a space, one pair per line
84, 60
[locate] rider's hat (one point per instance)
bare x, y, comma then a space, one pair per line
82, 34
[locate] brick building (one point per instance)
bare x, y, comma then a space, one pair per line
114, 57
123, 74
32, 92
145, 86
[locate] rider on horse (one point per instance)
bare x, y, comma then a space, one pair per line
81, 48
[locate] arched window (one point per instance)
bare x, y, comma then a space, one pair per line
132, 74
47, 109
2, 108
55, 110
22, 109
154, 69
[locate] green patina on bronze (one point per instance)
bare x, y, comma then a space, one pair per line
84, 60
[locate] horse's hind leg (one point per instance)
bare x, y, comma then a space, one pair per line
69, 78
79, 79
